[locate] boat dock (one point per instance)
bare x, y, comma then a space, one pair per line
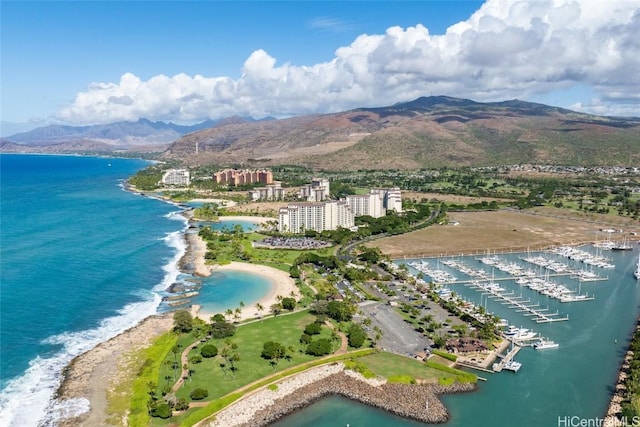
505, 359
539, 315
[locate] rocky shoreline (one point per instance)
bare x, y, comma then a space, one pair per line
417, 402
613, 417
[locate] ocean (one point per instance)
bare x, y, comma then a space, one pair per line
81, 260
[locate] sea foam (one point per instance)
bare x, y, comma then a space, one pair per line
29, 400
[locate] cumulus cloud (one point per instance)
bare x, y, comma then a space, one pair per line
507, 49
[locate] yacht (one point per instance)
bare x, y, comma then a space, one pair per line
512, 365
637, 272
543, 344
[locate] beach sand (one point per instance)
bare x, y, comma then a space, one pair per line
282, 285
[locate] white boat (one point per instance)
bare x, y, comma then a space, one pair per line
512, 365
637, 272
543, 344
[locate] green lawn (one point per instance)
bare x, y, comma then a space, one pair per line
392, 365
285, 329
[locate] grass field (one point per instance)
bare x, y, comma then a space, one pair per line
390, 365
249, 338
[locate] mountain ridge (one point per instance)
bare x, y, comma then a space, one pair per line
425, 132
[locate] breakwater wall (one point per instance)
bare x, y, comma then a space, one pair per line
418, 402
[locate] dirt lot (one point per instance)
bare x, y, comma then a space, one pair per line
478, 232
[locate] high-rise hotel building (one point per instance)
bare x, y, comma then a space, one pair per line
318, 216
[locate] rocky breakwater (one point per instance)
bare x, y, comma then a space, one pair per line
418, 402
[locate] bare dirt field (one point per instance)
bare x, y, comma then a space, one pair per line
478, 232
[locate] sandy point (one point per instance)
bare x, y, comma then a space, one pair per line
281, 285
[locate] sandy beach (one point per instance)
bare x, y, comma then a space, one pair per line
282, 285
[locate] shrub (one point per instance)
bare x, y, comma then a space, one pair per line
288, 303
356, 336
209, 350
273, 387
181, 404
161, 410
198, 394
273, 350
320, 347
313, 329
195, 359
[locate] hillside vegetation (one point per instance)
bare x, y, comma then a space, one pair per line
426, 132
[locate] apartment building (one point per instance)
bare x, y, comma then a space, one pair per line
366, 204
391, 198
176, 177
272, 191
317, 191
237, 177
318, 216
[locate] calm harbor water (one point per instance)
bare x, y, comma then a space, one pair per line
576, 379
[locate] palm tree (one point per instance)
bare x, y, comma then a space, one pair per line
229, 313
260, 309
236, 314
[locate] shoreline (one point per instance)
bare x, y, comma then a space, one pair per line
419, 402
92, 375
281, 285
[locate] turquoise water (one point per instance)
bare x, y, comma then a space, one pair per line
576, 379
81, 260
229, 224
223, 290
337, 411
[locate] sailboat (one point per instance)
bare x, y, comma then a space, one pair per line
623, 245
637, 272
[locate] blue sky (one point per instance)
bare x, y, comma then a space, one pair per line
87, 62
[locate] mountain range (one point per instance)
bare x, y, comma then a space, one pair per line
426, 132
140, 135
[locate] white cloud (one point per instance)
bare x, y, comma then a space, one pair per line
507, 49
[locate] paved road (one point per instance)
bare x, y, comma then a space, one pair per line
397, 335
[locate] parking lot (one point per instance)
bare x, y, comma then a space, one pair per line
397, 335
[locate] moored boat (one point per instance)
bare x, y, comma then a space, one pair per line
543, 344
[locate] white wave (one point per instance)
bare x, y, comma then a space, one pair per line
29, 400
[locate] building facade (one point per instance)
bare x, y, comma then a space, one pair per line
270, 192
366, 204
317, 191
176, 177
391, 198
319, 216
237, 177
